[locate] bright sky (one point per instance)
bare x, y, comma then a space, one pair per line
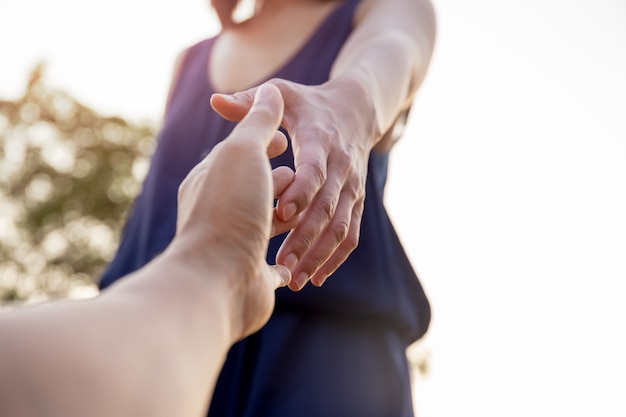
508, 188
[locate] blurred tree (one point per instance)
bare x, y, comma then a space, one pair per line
67, 178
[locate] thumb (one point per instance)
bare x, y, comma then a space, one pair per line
281, 275
260, 123
235, 106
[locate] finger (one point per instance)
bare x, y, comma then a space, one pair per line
310, 251
233, 107
279, 227
280, 276
260, 123
312, 152
278, 145
282, 176
322, 210
310, 177
342, 252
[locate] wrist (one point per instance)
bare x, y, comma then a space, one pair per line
358, 91
192, 283
207, 266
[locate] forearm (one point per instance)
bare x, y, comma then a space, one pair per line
152, 345
186, 308
386, 57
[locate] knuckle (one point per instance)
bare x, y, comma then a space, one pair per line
315, 261
356, 192
343, 158
304, 243
264, 113
340, 230
318, 170
282, 85
352, 241
327, 205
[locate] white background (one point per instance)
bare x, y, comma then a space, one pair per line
508, 188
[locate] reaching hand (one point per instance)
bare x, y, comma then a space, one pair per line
332, 133
225, 208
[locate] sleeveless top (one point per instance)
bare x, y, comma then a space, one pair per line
376, 283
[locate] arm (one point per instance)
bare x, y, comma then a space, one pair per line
335, 125
387, 56
153, 344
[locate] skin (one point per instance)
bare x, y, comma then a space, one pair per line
335, 126
212, 287
153, 343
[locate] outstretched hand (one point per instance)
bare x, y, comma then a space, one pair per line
225, 208
331, 143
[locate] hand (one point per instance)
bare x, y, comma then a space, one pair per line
332, 132
225, 209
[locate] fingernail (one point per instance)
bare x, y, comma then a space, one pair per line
301, 280
289, 211
290, 261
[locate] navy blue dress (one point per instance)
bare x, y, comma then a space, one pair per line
338, 350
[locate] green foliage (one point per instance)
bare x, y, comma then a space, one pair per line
67, 178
